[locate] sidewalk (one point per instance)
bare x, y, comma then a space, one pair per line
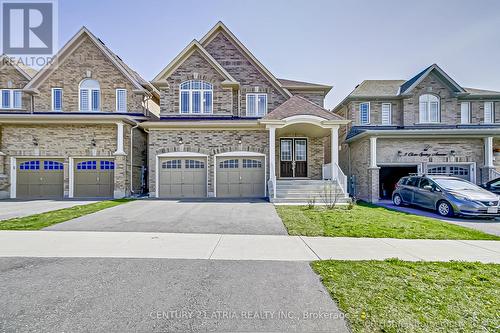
238, 247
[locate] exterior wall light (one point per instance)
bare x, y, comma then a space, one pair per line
93, 143
35, 142
180, 141
453, 153
400, 153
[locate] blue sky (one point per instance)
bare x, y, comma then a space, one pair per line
329, 42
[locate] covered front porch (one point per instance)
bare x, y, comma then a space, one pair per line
303, 151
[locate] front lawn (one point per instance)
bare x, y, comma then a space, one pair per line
39, 221
365, 220
398, 296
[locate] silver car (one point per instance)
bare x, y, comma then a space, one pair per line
447, 195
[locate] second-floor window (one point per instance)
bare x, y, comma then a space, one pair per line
489, 112
386, 113
121, 100
364, 113
11, 99
429, 109
90, 95
196, 97
57, 99
256, 105
465, 113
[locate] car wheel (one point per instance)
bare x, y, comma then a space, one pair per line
397, 200
444, 208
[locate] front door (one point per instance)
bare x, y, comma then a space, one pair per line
293, 157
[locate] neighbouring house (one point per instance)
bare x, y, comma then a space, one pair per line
229, 128
71, 129
427, 124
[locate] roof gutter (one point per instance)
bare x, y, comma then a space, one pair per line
416, 133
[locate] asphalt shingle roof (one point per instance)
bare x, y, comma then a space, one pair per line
298, 105
292, 83
384, 88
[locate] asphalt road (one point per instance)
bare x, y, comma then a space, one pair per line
163, 295
220, 217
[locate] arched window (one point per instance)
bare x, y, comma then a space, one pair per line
429, 109
90, 95
196, 97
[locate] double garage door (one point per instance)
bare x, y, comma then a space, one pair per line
236, 177
43, 178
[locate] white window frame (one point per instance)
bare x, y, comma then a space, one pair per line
53, 95
124, 96
90, 97
361, 115
492, 112
256, 105
382, 114
202, 98
428, 104
11, 99
467, 117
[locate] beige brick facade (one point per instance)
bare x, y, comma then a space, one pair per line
67, 141
11, 78
87, 58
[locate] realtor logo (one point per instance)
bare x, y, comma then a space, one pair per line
28, 27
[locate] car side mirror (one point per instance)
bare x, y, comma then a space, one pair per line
428, 187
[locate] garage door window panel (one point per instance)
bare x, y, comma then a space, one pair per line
248, 164
194, 164
30, 165
229, 164
107, 165
53, 165
87, 165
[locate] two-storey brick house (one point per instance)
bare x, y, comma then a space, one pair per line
427, 124
229, 128
71, 129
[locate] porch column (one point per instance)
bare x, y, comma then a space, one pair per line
487, 173
272, 158
119, 139
373, 152
334, 151
488, 152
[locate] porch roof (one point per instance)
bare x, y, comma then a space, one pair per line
299, 106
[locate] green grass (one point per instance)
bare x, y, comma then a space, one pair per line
39, 221
397, 296
365, 220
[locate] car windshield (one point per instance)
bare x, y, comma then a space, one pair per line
456, 184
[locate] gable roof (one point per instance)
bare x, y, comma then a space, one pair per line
71, 45
298, 105
220, 27
481, 92
185, 54
24, 70
414, 81
382, 88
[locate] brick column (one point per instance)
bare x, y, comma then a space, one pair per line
120, 177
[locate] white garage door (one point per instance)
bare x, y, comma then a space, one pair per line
461, 170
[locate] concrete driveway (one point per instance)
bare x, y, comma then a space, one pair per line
163, 295
17, 208
220, 217
485, 225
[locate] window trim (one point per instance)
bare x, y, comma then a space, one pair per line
256, 105
360, 114
492, 110
90, 96
125, 102
53, 95
382, 114
202, 98
469, 113
428, 103
11, 99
